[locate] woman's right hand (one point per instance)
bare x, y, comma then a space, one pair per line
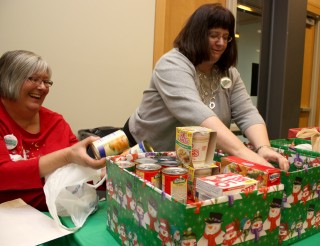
78, 154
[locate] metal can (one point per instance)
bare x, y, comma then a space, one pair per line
175, 182
112, 144
165, 164
128, 165
145, 160
140, 147
150, 172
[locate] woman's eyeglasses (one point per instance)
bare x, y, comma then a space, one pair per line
39, 81
217, 36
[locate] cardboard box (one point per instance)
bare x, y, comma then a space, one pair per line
194, 173
225, 184
300, 216
266, 176
292, 132
138, 212
193, 148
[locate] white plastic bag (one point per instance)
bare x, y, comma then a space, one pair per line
68, 193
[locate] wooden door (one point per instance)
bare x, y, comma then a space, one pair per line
170, 17
310, 104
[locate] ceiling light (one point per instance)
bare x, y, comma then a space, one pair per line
244, 8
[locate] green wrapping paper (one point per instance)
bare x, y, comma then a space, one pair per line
140, 213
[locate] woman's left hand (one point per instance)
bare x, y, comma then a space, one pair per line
270, 155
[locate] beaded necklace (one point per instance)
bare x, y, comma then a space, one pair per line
213, 80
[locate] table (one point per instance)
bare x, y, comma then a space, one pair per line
94, 232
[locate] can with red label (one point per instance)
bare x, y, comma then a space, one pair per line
165, 164
175, 182
150, 172
112, 144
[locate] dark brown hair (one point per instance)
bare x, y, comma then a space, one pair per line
192, 41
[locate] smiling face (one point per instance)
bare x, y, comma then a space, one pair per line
32, 94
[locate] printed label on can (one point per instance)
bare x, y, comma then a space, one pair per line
174, 182
140, 147
150, 172
112, 144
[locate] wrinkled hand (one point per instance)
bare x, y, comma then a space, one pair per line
270, 155
78, 154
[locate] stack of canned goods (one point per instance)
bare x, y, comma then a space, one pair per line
165, 173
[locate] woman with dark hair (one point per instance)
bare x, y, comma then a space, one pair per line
196, 84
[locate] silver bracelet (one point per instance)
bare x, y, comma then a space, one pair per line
257, 149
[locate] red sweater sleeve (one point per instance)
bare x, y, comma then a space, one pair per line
19, 167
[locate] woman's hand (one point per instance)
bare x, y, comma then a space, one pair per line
270, 155
78, 154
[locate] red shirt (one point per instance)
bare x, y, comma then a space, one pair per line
20, 178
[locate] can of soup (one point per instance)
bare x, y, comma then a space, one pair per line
112, 144
175, 182
150, 172
165, 164
140, 147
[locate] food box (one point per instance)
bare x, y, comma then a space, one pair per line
300, 216
140, 214
266, 176
292, 132
225, 184
195, 145
194, 173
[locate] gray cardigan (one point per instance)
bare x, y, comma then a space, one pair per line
173, 100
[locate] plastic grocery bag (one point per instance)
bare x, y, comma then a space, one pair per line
68, 193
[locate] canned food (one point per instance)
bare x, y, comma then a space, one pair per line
130, 166
150, 172
165, 164
140, 147
165, 158
174, 182
112, 144
145, 160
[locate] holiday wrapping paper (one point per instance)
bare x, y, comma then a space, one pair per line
300, 215
141, 214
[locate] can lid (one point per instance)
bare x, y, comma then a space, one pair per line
145, 160
170, 163
95, 151
148, 167
174, 170
162, 158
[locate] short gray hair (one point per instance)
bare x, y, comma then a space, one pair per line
17, 66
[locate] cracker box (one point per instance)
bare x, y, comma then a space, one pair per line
292, 132
194, 173
140, 214
195, 145
225, 184
300, 216
266, 176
